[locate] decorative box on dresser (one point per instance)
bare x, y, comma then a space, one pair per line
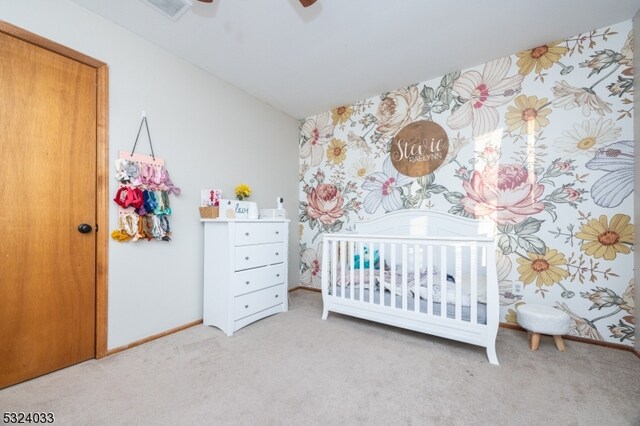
245, 271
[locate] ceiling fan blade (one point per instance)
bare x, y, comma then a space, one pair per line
206, 1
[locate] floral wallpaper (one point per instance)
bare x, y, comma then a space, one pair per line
540, 142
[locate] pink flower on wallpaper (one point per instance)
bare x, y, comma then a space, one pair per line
506, 193
397, 109
560, 167
316, 132
482, 93
572, 194
325, 203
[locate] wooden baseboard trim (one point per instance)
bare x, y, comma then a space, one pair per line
511, 326
154, 337
610, 345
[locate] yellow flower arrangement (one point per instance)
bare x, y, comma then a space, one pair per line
243, 191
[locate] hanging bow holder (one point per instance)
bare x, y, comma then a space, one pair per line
143, 195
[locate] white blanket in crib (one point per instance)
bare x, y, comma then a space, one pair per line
451, 287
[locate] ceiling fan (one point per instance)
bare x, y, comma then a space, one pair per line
304, 3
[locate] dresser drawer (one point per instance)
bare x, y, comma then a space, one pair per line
250, 303
258, 278
259, 233
253, 256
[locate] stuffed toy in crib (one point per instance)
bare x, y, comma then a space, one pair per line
367, 258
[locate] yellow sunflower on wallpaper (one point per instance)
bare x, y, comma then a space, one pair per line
604, 239
337, 151
528, 114
546, 268
540, 57
341, 115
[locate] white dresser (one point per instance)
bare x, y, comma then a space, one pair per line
245, 271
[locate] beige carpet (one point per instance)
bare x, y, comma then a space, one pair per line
295, 368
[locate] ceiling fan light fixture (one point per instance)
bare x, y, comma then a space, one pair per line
307, 3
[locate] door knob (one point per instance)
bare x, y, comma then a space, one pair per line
84, 228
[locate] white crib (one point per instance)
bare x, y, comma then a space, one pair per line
398, 268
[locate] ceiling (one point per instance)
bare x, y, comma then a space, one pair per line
304, 61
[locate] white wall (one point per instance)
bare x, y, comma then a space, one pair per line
209, 133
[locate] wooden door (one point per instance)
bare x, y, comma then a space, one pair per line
48, 180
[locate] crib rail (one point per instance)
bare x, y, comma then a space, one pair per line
434, 276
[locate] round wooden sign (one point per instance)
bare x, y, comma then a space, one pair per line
419, 148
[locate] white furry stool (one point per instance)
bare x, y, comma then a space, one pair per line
540, 319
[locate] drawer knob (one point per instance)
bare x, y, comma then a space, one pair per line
246, 233
277, 275
277, 232
247, 283
277, 253
246, 258
246, 306
276, 296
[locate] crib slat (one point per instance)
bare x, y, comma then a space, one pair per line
473, 270
381, 276
392, 296
343, 264
458, 284
334, 267
352, 268
443, 281
416, 278
360, 271
361, 286
404, 276
372, 268
324, 278
430, 280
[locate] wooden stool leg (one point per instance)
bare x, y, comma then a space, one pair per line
535, 341
559, 343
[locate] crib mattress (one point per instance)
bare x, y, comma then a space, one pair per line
397, 303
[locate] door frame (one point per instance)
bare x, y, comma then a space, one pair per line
102, 170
